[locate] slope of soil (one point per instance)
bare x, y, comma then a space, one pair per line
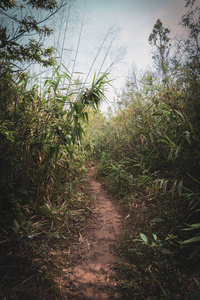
92, 275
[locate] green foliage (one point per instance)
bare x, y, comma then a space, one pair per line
191, 70
38, 138
18, 22
150, 145
41, 163
156, 244
119, 181
159, 38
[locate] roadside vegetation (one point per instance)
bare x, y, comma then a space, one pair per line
147, 149
148, 146
43, 201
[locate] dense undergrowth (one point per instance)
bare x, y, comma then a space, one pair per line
148, 147
43, 173
43, 200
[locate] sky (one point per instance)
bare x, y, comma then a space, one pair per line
136, 19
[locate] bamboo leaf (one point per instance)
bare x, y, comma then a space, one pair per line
192, 240
144, 237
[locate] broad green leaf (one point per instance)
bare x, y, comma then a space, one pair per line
144, 237
155, 237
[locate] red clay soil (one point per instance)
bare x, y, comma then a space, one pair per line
92, 276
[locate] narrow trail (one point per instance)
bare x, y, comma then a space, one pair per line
93, 276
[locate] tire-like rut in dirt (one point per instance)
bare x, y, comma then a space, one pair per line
94, 277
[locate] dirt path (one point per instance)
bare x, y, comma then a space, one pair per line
93, 276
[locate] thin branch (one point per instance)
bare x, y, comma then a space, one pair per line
22, 282
66, 26
45, 19
106, 55
48, 17
105, 38
59, 34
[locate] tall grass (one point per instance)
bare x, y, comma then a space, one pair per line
39, 136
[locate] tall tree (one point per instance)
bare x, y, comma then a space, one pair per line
160, 40
23, 25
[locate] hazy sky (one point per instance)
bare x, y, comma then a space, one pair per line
135, 18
